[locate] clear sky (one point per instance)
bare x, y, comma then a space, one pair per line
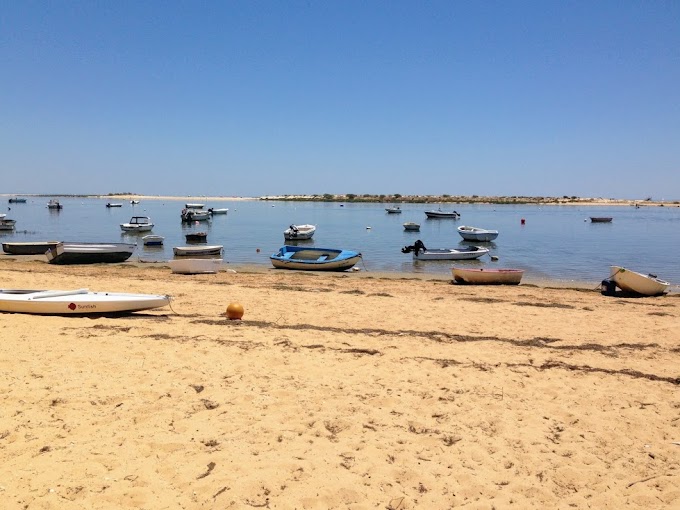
261, 97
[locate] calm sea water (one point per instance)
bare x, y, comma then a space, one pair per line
556, 242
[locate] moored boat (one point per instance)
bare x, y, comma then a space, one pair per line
197, 237
54, 204
137, 224
17, 200
152, 240
194, 206
477, 234
89, 253
214, 211
109, 204
195, 266
29, 247
442, 214
187, 251
411, 226
7, 224
189, 215
299, 232
601, 219
638, 283
393, 210
74, 302
314, 259
487, 276
420, 252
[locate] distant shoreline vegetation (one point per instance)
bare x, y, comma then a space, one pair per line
388, 199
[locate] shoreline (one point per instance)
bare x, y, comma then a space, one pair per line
411, 199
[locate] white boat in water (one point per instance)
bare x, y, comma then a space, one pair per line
195, 266
194, 206
189, 215
477, 234
137, 224
487, 276
393, 209
187, 251
89, 253
54, 204
214, 211
79, 301
420, 252
442, 214
638, 283
153, 240
299, 232
411, 226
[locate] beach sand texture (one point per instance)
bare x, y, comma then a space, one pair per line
338, 392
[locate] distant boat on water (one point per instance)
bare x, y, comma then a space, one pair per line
17, 200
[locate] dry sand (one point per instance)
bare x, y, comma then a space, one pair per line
338, 392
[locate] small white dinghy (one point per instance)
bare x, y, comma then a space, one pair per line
74, 302
188, 251
477, 234
195, 266
487, 276
630, 281
299, 232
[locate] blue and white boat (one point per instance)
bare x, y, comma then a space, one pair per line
314, 259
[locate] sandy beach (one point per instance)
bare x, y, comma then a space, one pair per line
338, 391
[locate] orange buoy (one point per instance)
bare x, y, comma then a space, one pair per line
234, 311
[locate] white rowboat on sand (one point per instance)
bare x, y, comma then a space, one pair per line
630, 281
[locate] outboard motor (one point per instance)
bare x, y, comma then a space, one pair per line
418, 246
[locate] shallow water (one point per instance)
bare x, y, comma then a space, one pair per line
555, 243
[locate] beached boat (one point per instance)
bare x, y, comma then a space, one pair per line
7, 224
197, 237
299, 232
477, 234
393, 210
109, 204
442, 214
487, 276
16, 200
420, 252
153, 240
54, 204
410, 226
189, 215
195, 266
194, 206
29, 248
314, 259
137, 224
601, 219
188, 251
214, 211
638, 283
89, 253
74, 302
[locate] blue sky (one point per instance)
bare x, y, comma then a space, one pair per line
250, 98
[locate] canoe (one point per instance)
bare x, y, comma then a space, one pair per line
410, 226
299, 232
137, 224
195, 266
442, 214
487, 276
29, 248
187, 251
89, 253
79, 301
601, 219
638, 283
477, 234
314, 259
153, 240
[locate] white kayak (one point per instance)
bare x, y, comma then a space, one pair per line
78, 301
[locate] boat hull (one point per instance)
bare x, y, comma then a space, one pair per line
195, 266
638, 283
314, 259
89, 253
451, 254
487, 276
38, 248
188, 251
77, 302
442, 214
477, 234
